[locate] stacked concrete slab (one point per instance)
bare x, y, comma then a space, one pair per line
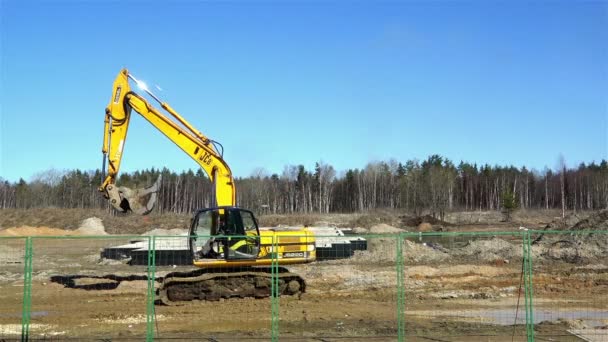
331, 243
336, 243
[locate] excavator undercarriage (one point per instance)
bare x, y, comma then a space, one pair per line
179, 288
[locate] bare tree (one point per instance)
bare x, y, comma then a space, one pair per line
562, 178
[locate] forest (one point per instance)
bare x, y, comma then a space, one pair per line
435, 186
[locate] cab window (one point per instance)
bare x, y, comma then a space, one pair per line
204, 223
248, 222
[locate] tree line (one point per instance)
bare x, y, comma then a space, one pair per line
435, 185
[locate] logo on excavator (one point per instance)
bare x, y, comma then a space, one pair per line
205, 158
117, 96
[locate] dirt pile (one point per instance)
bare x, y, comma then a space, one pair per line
489, 250
91, 226
166, 232
384, 228
426, 222
380, 249
576, 247
384, 250
421, 252
425, 227
596, 221
370, 219
525, 217
35, 231
581, 221
473, 217
360, 230
572, 249
72, 219
565, 223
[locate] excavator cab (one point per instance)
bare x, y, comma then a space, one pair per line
228, 233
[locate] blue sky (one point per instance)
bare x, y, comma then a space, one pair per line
281, 83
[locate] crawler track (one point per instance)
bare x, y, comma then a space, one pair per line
182, 287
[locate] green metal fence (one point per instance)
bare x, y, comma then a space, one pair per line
473, 286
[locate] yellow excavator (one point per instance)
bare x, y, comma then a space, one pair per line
232, 254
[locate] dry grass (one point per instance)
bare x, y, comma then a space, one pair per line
71, 219
115, 223
275, 220
349, 220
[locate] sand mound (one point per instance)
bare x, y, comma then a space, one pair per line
575, 249
580, 221
425, 227
596, 221
35, 231
472, 217
384, 229
416, 221
384, 250
91, 226
417, 252
360, 230
490, 250
577, 246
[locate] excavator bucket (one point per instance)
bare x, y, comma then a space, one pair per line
140, 201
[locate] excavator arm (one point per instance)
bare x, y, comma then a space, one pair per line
200, 148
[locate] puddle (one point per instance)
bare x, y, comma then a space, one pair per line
592, 318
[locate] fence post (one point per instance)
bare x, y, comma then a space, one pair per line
150, 294
26, 310
528, 286
274, 291
400, 290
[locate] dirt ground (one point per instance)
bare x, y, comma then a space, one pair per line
456, 289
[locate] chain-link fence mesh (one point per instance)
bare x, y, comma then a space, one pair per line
84, 290
570, 285
464, 286
351, 292
12, 258
408, 286
224, 308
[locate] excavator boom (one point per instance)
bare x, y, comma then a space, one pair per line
200, 148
